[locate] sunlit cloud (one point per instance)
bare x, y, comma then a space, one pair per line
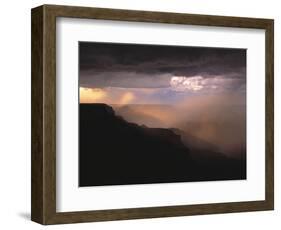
179, 83
199, 83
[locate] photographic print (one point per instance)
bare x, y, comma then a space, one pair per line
161, 114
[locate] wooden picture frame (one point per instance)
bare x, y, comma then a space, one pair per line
43, 208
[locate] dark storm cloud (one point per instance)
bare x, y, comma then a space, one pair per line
152, 66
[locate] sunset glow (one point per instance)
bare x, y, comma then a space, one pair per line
88, 95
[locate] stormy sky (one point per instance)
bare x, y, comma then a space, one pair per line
157, 73
199, 90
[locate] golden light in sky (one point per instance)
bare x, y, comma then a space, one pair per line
88, 95
127, 98
98, 95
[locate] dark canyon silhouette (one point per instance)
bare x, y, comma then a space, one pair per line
113, 151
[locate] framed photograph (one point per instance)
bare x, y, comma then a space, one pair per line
141, 114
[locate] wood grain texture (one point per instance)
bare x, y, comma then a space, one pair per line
269, 122
37, 115
44, 114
